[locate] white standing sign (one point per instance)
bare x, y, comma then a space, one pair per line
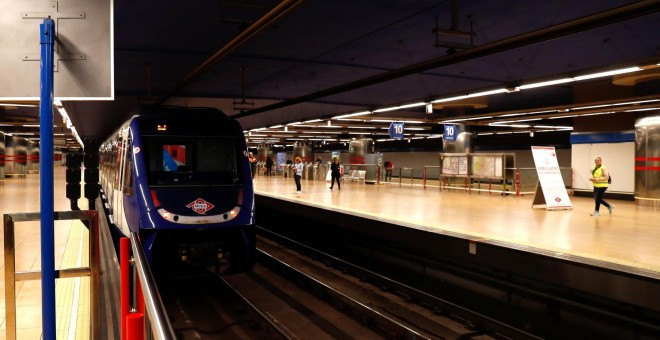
551, 183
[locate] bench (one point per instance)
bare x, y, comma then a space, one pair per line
355, 176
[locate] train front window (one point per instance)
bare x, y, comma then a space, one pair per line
191, 161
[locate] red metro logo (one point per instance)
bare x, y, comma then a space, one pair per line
200, 206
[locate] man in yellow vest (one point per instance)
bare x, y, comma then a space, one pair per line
599, 177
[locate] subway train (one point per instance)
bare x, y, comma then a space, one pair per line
180, 179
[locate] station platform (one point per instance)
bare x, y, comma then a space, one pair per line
22, 195
628, 238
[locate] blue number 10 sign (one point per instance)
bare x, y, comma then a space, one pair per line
396, 130
450, 133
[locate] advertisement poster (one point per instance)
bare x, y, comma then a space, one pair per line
551, 183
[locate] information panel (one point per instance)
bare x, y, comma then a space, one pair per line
455, 165
551, 183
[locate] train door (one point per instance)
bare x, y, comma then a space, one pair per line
120, 217
131, 210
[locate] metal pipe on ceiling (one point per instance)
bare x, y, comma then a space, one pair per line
619, 14
264, 22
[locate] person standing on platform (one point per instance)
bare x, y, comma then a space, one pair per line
269, 166
299, 170
335, 173
600, 177
253, 163
388, 171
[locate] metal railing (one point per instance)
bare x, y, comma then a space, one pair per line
156, 315
11, 276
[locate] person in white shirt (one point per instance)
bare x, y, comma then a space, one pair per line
299, 169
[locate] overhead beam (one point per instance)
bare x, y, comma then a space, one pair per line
264, 22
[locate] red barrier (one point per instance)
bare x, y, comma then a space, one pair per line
424, 178
135, 326
517, 182
125, 282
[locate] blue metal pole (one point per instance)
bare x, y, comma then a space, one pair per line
47, 40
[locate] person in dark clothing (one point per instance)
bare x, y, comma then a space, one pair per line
388, 170
269, 166
336, 175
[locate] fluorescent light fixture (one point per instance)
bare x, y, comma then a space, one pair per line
485, 134
546, 83
591, 107
607, 73
275, 126
464, 119
564, 116
18, 105
641, 101
527, 120
313, 121
363, 113
388, 109
648, 121
23, 133
396, 120
449, 99
294, 123
406, 106
309, 126
415, 129
325, 132
525, 113
362, 127
646, 109
258, 129
351, 120
434, 136
486, 93
552, 127
596, 113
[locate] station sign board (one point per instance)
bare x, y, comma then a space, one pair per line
450, 133
396, 130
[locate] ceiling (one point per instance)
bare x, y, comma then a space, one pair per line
268, 63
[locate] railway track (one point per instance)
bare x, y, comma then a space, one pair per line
289, 295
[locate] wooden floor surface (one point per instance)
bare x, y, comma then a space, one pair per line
630, 236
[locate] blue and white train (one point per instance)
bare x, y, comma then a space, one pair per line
180, 178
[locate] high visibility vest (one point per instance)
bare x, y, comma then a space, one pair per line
598, 173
